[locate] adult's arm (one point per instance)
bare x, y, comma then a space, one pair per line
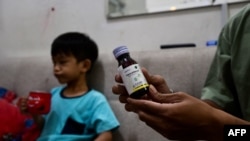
181, 116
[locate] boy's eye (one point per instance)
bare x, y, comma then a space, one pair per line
60, 62
63, 62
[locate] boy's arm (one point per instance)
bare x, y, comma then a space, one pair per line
39, 120
105, 136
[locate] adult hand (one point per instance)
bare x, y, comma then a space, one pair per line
178, 116
156, 80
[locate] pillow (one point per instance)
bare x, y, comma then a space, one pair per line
15, 126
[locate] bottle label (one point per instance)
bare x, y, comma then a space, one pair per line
133, 78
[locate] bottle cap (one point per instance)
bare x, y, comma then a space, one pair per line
120, 50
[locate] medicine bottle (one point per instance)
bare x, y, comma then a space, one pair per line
132, 76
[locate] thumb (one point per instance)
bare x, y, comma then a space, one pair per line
154, 94
163, 98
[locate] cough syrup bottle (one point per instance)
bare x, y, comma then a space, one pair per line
132, 76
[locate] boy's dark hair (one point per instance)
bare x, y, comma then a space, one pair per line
77, 44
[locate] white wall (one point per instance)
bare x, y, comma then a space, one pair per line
28, 27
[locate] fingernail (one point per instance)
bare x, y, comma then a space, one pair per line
128, 100
117, 76
152, 89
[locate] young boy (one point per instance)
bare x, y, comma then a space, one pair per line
77, 111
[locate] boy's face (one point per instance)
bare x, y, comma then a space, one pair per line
66, 68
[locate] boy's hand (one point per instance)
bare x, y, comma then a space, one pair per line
23, 105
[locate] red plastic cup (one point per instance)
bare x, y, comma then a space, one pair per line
39, 102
